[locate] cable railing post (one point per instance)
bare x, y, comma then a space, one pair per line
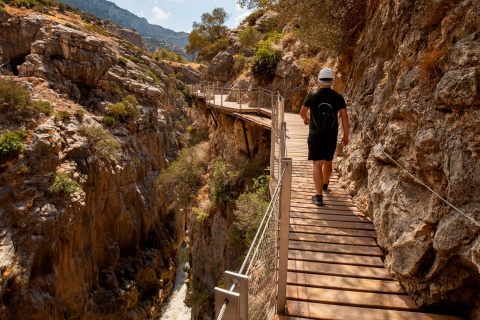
285, 201
221, 97
240, 98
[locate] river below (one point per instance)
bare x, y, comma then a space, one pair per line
175, 308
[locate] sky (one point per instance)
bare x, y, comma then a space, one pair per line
179, 15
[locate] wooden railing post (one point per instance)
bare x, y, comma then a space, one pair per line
285, 194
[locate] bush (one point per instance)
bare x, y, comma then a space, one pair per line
103, 142
11, 144
122, 61
251, 206
12, 95
62, 115
108, 120
223, 182
152, 75
64, 184
127, 109
200, 214
249, 37
265, 63
40, 106
185, 174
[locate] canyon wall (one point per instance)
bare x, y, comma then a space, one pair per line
106, 248
214, 244
413, 91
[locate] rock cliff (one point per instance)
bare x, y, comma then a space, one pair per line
413, 90
85, 232
412, 83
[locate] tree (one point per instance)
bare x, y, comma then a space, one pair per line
195, 43
326, 24
205, 33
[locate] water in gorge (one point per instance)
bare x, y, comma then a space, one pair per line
175, 308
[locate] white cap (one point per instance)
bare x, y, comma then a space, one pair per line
325, 76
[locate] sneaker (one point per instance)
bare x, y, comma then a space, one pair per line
325, 186
318, 199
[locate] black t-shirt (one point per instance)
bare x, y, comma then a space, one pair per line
324, 95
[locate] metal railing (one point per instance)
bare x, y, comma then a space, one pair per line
258, 289
256, 100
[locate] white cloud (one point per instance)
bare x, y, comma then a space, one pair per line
241, 14
159, 14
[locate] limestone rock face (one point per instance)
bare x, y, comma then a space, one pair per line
221, 67
76, 56
109, 249
413, 99
17, 36
130, 35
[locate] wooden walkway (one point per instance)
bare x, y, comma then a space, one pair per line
335, 268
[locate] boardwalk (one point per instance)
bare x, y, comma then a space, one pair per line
335, 268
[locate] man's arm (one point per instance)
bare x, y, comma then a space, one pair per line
303, 114
345, 126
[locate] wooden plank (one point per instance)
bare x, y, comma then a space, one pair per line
336, 248
311, 237
327, 257
332, 231
333, 224
330, 217
326, 209
352, 298
344, 283
338, 270
333, 312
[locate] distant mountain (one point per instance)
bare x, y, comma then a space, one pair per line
108, 10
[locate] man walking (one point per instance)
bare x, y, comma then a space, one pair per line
325, 104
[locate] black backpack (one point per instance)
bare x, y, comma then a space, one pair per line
324, 119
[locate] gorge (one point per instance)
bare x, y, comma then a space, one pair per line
89, 231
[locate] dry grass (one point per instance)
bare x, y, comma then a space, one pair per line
431, 67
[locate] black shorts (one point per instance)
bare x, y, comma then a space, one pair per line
321, 147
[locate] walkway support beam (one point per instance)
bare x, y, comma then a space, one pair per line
285, 201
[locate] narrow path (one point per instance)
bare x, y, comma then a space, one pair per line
335, 268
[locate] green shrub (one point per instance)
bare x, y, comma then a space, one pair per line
152, 75
62, 115
40, 106
251, 206
223, 182
185, 174
64, 184
265, 63
127, 109
249, 37
122, 61
135, 59
108, 120
200, 214
12, 95
103, 142
11, 144
69, 25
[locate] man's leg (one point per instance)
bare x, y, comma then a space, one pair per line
318, 175
327, 171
